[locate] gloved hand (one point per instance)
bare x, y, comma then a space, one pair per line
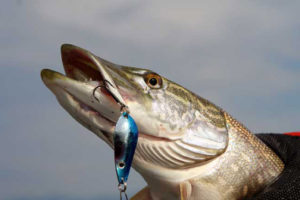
287, 186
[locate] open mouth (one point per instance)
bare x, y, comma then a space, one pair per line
82, 91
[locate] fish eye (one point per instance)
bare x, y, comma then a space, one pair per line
153, 80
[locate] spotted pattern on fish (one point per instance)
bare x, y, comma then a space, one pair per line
248, 177
211, 112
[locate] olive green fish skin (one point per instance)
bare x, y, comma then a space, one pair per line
246, 167
188, 148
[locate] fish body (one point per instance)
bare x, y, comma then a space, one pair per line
188, 147
125, 140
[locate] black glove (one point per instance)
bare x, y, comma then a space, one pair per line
287, 186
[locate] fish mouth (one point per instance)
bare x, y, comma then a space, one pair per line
87, 91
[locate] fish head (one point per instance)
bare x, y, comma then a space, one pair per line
177, 129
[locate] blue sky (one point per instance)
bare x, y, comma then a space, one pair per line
241, 55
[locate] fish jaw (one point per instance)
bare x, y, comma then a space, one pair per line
96, 109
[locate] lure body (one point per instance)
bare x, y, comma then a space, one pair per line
125, 140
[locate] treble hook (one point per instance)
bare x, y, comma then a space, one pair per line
122, 188
94, 90
123, 108
101, 85
125, 195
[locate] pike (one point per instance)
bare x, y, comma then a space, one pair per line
188, 147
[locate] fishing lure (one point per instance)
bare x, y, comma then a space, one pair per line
125, 135
125, 141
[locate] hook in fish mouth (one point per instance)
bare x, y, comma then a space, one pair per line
123, 107
87, 91
101, 85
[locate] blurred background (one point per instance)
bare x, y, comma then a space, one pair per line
242, 55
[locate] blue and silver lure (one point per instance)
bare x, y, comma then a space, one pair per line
125, 141
125, 134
